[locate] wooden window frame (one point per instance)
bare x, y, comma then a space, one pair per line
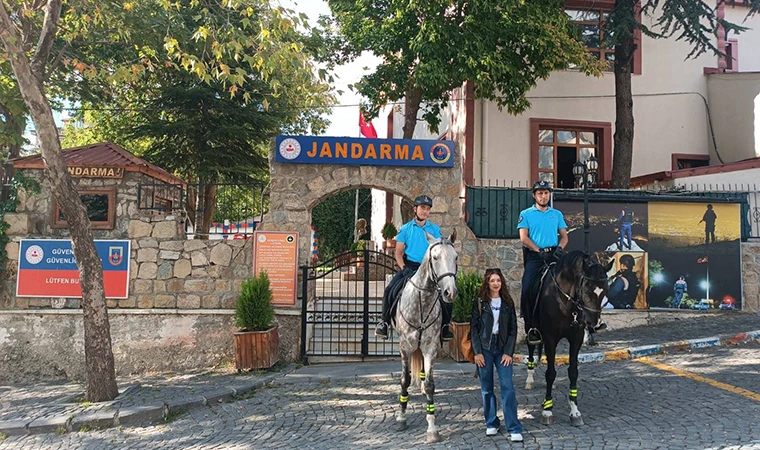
603, 148
732, 55
675, 157
98, 225
606, 6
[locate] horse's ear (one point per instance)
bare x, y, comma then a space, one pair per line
453, 236
430, 238
609, 265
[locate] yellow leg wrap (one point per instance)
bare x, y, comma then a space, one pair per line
548, 404
573, 393
403, 398
422, 375
531, 365
431, 408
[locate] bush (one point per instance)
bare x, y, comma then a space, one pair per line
254, 311
389, 231
468, 285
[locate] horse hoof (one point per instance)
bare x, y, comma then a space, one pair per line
547, 420
433, 437
576, 421
528, 386
401, 425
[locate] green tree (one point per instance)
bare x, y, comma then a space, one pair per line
333, 219
691, 21
431, 47
81, 48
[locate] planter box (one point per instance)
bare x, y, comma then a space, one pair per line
460, 330
257, 349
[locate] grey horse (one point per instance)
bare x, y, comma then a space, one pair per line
418, 321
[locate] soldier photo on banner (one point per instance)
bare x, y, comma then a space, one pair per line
614, 226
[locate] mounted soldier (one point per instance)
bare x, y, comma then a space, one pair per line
411, 245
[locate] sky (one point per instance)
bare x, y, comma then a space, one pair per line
344, 119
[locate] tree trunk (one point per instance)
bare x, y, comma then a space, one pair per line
623, 143
413, 100
209, 201
99, 364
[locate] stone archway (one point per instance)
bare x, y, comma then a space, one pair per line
297, 188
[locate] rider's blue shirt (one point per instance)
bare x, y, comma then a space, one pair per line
414, 239
542, 226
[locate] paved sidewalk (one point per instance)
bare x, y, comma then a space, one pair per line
57, 407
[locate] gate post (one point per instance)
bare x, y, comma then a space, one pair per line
304, 302
365, 318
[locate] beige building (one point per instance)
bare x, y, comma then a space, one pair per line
684, 109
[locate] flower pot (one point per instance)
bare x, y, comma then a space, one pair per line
460, 331
257, 349
389, 243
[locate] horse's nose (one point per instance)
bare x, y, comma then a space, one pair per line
450, 293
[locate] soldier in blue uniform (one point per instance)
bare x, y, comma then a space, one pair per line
543, 233
411, 245
679, 288
626, 222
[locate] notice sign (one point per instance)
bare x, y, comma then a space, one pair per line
48, 268
276, 253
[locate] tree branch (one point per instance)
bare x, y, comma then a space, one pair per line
47, 36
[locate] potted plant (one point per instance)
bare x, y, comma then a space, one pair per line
257, 344
389, 233
468, 285
357, 253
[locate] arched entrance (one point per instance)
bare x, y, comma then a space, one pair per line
296, 189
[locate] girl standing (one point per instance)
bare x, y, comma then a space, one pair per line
493, 330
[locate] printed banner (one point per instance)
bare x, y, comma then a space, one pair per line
364, 152
48, 268
276, 253
667, 255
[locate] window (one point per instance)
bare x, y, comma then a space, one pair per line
558, 144
593, 32
100, 204
680, 161
591, 17
732, 55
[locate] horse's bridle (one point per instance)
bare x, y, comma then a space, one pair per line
576, 300
437, 278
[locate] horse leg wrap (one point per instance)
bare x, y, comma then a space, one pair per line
548, 405
574, 396
430, 408
422, 375
531, 365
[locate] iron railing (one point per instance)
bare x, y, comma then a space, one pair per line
492, 212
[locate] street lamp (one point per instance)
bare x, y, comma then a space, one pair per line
585, 177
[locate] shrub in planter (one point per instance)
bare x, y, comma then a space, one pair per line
468, 285
257, 342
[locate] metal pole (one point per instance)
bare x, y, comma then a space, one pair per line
586, 227
304, 303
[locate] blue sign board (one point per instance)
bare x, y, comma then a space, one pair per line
364, 152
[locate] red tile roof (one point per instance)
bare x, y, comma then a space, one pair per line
751, 163
104, 154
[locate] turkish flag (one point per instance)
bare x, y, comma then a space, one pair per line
366, 128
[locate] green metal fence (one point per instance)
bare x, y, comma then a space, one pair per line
492, 212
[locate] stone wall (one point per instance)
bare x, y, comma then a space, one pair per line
751, 276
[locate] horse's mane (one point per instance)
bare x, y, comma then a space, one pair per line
571, 262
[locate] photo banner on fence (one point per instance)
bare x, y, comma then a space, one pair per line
364, 151
667, 255
276, 253
48, 268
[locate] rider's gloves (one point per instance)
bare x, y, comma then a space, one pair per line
558, 252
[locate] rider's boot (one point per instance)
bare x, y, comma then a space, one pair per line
446, 333
381, 330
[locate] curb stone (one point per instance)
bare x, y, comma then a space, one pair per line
656, 349
132, 415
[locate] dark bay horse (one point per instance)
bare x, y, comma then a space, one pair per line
419, 318
570, 299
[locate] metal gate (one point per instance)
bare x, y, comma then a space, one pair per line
343, 303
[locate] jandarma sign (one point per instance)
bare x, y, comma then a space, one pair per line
96, 172
365, 152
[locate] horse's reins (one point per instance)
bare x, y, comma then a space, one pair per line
580, 306
436, 280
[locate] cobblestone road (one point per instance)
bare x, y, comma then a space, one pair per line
706, 399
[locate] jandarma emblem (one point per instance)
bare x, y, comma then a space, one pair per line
440, 153
290, 148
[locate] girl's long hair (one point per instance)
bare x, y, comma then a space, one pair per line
485, 291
